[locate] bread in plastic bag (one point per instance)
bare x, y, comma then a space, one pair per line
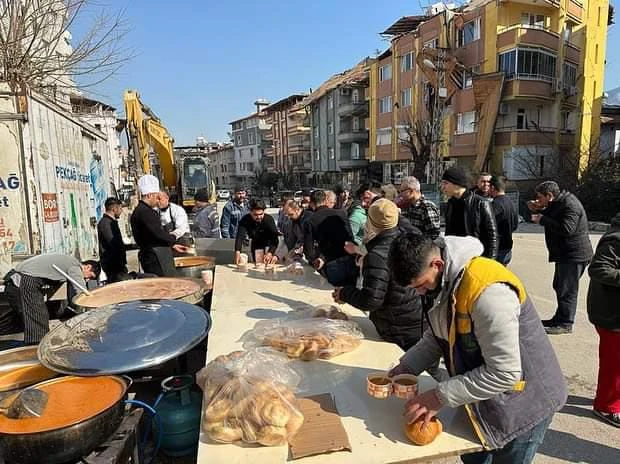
248, 396
306, 338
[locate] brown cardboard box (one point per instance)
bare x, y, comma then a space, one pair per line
322, 431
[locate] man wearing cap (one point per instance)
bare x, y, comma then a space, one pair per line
155, 243
395, 310
111, 246
207, 222
173, 217
232, 213
468, 214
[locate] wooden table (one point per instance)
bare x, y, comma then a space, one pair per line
374, 427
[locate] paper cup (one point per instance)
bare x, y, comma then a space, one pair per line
243, 262
378, 385
405, 386
259, 257
207, 277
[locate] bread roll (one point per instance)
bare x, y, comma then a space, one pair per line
272, 436
218, 409
223, 433
276, 413
421, 435
295, 350
311, 353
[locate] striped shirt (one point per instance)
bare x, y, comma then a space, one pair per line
424, 215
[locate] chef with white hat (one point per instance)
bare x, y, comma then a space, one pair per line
155, 243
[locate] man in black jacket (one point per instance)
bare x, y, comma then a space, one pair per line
294, 231
506, 218
111, 246
604, 313
468, 214
262, 230
396, 311
155, 243
325, 235
566, 235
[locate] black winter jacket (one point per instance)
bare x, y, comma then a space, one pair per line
566, 230
396, 311
604, 291
479, 222
325, 233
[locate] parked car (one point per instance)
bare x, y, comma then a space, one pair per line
223, 195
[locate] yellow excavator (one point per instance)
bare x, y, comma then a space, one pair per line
147, 134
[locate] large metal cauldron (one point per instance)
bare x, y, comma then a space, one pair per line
192, 266
67, 443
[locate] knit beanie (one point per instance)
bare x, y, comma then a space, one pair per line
383, 214
457, 175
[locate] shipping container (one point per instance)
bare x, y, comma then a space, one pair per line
54, 180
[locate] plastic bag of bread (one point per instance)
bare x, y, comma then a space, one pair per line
307, 339
248, 396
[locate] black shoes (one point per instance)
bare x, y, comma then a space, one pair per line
548, 322
612, 418
559, 329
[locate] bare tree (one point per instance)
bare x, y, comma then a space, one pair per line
38, 52
418, 138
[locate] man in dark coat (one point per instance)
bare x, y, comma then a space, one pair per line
604, 313
155, 243
111, 246
566, 235
506, 218
262, 230
468, 214
396, 311
294, 230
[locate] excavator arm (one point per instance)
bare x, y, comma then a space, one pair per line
147, 131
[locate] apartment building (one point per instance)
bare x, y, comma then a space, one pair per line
510, 87
338, 111
251, 140
223, 161
289, 153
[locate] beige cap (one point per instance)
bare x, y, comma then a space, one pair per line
383, 214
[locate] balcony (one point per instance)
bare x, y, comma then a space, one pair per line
351, 136
353, 109
545, 3
575, 10
528, 35
528, 86
513, 136
298, 129
353, 163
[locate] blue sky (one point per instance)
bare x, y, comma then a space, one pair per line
201, 64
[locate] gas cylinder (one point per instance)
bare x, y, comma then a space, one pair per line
179, 411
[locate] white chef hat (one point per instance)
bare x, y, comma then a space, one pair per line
148, 184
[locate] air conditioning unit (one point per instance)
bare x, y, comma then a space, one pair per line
559, 87
504, 108
345, 91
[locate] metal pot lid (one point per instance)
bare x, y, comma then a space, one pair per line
124, 337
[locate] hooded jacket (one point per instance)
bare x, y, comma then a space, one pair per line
395, 311
479, 221
566, 230
502, 366
604, 271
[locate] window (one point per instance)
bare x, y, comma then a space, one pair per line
570, 76
564, 118
521, 119
403, 134
433, 43
251, 138
406, 62
528, 63
252, 152
239, 140
355, 151
385, 72
568, 31
330, 128
465, 122
317, 155
533, 20
330, 102
355, 123
385, 104
384, 136
243, 124
469, 33
405, 97
468, 76
331, 153
355, 96
316, 131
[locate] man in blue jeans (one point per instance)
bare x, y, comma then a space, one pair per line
566, 236
502, 367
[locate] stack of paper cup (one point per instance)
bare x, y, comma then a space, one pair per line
259, 257
243, 261
207, 277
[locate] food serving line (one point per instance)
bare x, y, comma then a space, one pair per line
374, 427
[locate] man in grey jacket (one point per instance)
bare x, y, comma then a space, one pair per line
31, 282
502, 367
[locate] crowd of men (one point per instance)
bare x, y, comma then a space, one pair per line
436, 296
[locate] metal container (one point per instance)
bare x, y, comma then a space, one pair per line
192, 266
67, 443
184, 289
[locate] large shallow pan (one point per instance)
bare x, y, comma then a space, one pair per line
169, 288
68, 443
192, 266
